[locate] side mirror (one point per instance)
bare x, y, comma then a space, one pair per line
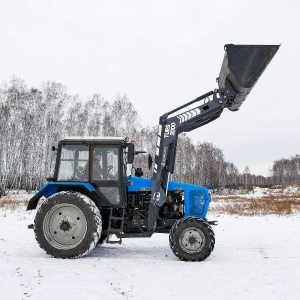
150, 161
53, 148
130, 154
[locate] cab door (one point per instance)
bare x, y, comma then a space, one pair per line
106, 173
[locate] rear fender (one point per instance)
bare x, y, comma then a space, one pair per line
51, 188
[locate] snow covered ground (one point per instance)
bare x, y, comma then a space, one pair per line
257, 192
254, 258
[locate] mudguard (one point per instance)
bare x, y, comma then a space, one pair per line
51, 188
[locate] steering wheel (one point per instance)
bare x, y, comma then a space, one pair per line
109, 168
80, 172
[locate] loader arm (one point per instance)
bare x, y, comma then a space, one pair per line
241, 68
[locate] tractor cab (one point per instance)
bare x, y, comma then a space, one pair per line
95, 166
101, 162
98, 161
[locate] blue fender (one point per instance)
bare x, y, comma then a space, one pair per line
51, 188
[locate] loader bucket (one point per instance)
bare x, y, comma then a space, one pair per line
242, 67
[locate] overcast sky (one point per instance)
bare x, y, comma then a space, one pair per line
162, 54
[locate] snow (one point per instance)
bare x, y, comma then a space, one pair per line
254, 258
258, 192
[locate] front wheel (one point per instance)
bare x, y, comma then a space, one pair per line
192, 239
68, 225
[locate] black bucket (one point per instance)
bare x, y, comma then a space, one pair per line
242, 67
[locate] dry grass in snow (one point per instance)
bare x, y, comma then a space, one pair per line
279, 204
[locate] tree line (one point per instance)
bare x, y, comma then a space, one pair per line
32, 120
287, 170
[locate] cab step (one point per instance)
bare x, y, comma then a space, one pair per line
114, 229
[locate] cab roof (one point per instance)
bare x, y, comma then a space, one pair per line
94, 140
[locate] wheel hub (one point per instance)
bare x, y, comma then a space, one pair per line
65, 226
192, 240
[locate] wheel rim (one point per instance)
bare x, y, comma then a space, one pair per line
192, 240
65, 226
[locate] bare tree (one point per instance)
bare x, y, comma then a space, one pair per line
32, 120
246, 176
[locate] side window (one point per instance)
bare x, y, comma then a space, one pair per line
73, 164
105, 163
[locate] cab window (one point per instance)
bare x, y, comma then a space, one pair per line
105, 163
73, 163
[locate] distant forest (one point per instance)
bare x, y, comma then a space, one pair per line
32, 120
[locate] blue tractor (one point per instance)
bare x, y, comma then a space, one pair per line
94, 195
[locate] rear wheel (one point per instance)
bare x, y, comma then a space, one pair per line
192, 239
68, 225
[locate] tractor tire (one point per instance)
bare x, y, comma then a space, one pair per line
192, 239
68, 225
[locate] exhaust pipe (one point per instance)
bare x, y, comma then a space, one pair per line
242, 66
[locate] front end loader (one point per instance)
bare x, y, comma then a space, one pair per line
83, 207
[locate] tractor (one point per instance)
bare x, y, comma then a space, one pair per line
96, 194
